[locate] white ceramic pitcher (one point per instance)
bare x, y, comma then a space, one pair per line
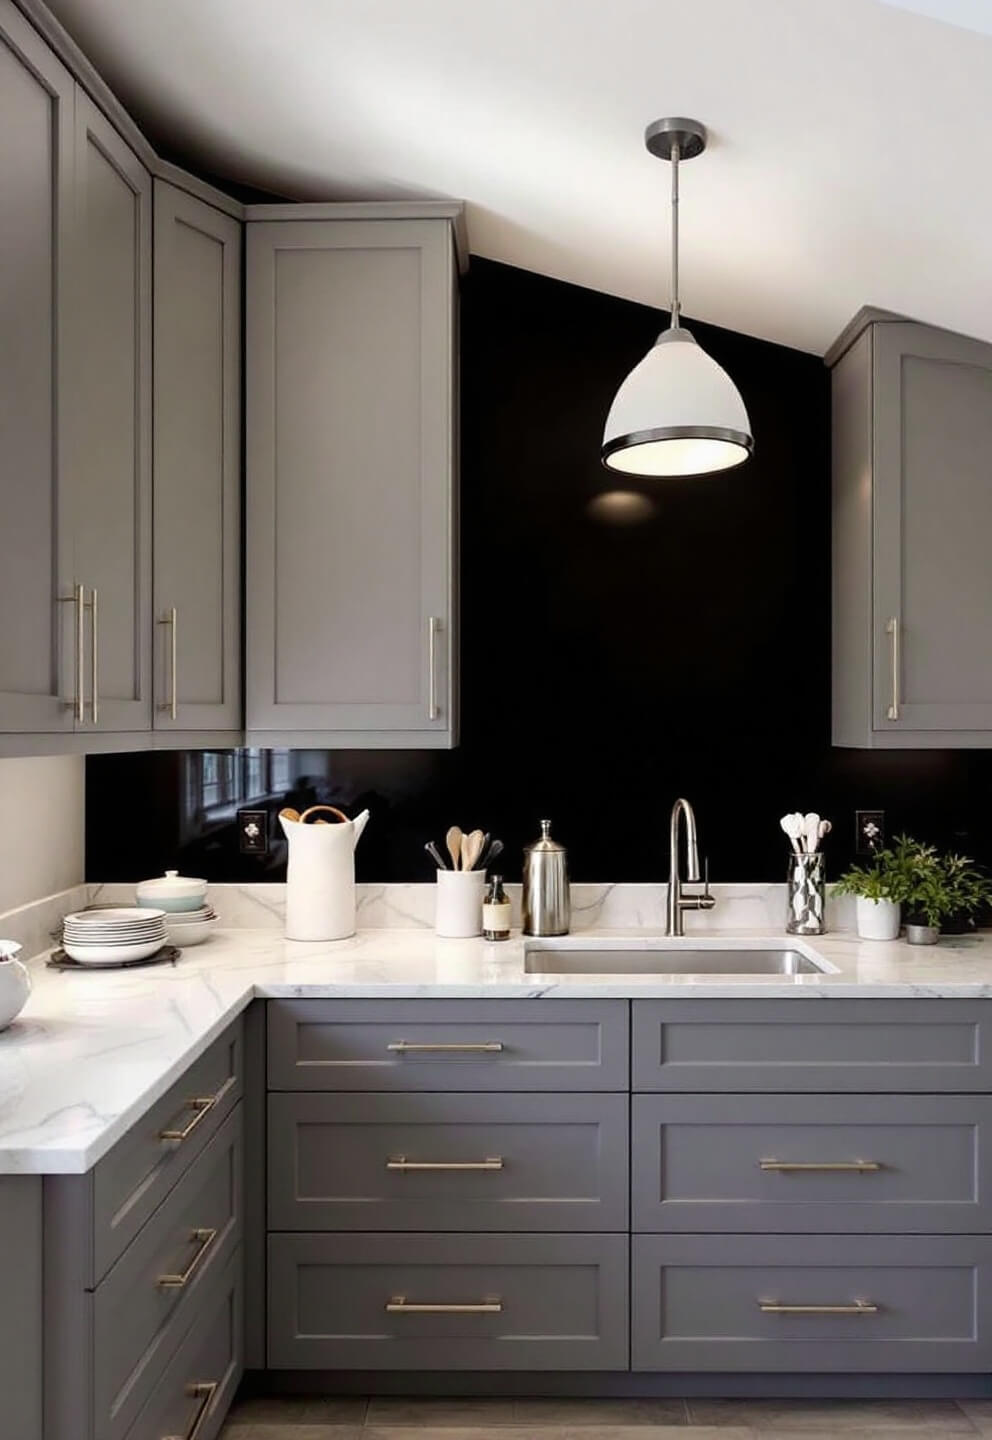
320, 878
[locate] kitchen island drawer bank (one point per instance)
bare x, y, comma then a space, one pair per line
448, 1045
448, 1162
446, 1302
915, 1046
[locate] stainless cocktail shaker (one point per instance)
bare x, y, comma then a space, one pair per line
546, 905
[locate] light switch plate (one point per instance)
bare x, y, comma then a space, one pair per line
253, 832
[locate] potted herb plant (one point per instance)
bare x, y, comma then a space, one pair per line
945, 893
879, 887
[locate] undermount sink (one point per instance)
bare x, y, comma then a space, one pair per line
547, 958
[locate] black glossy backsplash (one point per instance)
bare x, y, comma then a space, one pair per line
606, 667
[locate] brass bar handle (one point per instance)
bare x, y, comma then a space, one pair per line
861, 1167
892, 630
859, 1307
400, 1162
78, 598
479, 1047
204, 1239
400, 1305
171, 705
433, 626
205, 1391
94, 656
201, 1107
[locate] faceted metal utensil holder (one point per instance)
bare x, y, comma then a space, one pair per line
807, 895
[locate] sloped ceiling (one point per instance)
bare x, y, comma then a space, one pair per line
851, 140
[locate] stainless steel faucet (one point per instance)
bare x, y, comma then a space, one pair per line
678, 901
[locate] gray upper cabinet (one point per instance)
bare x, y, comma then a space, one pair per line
197, 464
110, 451
912, 511
36, 183
350, 596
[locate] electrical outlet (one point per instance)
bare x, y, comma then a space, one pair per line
253, 832
869, 831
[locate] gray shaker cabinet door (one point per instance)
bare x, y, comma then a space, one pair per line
109, 463
448, 1302
813, 1164
36, 182
350, 481
447, 1162
197, 469
824, 1303
933, 518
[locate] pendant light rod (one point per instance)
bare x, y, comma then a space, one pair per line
675, 234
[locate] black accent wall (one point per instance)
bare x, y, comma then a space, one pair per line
615, 653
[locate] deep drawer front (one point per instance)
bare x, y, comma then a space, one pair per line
829, 1045
813, 1163
492, 1302
134, 1179
448, 1162
199, 1381
158, 1283
448, 1045
877, 1303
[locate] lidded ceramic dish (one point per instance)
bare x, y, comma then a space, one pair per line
172, 892
15, 983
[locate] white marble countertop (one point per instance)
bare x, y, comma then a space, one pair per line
90, 1053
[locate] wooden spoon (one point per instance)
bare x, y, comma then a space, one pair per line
290, 814
453, 840
471, 849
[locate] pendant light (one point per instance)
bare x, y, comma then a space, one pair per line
677, 412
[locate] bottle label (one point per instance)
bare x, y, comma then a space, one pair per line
496, 917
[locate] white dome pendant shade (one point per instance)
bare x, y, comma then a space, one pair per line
677, 412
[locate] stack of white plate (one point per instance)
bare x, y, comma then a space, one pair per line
113, 935
190, 927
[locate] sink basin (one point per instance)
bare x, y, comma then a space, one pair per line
767, 960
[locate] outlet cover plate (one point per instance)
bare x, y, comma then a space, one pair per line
253, 832
869, 831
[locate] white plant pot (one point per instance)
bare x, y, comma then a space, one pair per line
878, 919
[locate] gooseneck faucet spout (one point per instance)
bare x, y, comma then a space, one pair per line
678, 900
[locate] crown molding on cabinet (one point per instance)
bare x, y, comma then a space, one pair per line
453, 210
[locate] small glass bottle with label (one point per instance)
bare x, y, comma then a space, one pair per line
496, 911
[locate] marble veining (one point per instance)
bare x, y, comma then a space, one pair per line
92, 1051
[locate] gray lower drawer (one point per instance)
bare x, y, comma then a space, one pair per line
91, 1219
448, 1045
377, 1162
493, 1302
199, 1381
898, 1046
924, 1303
704, 1162
158, 1281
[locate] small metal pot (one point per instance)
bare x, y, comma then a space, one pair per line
922, 934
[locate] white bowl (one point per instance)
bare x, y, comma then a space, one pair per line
172, 892
111, 954
190, 933
191, 917
15, 983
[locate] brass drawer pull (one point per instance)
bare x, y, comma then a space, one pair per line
400, 1305
483, 1047
861, 1167
859, 1307
205, 1391
205, 1238
201, 1108
400, 1162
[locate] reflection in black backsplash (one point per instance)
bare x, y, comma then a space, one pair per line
606, 668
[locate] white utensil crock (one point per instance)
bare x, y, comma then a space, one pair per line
458, 911
15, 983
877, 919
320, 878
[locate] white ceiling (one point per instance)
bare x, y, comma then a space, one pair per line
851, 140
